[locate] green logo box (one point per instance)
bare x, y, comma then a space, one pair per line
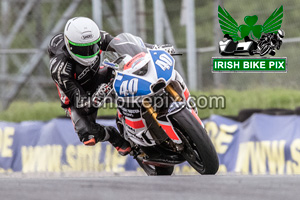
248, 65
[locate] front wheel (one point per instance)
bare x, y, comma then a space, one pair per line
199, 150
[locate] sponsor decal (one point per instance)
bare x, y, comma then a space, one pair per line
85, 37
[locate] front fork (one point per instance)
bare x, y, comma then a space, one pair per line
151, 110
167, 126
175, 107
173, 93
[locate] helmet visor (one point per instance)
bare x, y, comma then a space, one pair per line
87, 50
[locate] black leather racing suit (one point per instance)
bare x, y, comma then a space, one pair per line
78, 82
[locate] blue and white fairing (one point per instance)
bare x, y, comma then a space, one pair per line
160, 67
138, 70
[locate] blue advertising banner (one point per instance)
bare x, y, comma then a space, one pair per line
54, 147
263, 144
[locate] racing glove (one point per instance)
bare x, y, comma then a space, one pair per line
99, 96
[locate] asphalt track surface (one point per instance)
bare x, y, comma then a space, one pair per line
142, 187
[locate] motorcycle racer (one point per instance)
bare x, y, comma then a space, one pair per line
79, 78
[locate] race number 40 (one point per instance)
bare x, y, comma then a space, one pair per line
129, 87
164, 62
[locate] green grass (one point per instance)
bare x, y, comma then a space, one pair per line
235, 101
256, 98
24, 111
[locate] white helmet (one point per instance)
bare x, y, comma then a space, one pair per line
82, 37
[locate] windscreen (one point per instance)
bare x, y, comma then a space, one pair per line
123, 48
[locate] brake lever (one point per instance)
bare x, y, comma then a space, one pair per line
176, 54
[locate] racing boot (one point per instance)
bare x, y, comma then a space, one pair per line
121, 145
98, 133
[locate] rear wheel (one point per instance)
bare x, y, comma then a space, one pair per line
199, 150
151, 170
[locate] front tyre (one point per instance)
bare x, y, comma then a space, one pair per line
199, 150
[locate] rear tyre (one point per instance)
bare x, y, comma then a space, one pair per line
151, 170
199, 150
167, 171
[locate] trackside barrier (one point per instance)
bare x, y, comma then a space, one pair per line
263, 144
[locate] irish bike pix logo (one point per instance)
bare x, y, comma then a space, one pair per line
250, 47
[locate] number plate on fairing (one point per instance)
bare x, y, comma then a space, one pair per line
164, 64
128, 86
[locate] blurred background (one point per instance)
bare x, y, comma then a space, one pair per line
27, 91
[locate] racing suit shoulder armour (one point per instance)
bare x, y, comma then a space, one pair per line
59, 60
56, 45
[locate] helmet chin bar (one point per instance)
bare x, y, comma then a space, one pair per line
83, 61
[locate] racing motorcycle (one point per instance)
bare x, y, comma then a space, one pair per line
155, 113
269, 42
